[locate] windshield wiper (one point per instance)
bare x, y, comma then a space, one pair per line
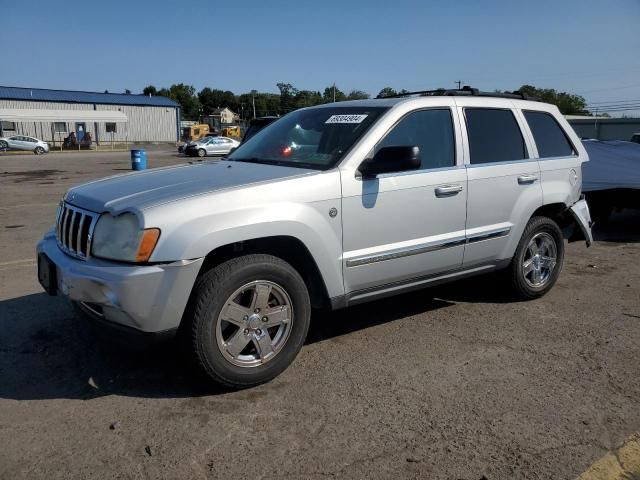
253, 160
279, 163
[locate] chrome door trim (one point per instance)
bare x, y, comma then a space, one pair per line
501, 232
425, 248
404, 252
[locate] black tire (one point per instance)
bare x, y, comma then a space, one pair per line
210, 295
3, 145
38, 151
202, 152
521, 287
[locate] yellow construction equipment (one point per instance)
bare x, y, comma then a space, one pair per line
233, 131
194, 132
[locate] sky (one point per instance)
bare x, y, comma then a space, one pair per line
588, 47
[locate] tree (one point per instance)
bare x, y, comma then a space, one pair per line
307, 98
287, 95
386, 92
357, 95
127, 91
149, 90
185, 95
332, 94
567, 103
210, 99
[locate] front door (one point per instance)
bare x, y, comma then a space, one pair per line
80, 130
407, 226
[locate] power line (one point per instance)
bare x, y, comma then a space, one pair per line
610, 88
607, 102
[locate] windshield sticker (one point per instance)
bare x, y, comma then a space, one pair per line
346, 118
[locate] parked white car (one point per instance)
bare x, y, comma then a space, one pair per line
330, 206
21, 142
211, 146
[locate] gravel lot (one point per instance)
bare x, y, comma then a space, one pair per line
457, 382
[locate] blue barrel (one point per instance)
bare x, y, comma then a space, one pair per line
138, 159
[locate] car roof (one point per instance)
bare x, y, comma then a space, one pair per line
436, 100
467, 96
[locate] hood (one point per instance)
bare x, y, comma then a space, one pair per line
141, 190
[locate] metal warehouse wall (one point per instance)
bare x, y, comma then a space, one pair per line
607, 129
146, 123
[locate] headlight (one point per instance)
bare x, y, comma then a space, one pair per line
121, 238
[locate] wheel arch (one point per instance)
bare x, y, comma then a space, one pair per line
288, 248
559, 213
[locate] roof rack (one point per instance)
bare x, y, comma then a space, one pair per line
465, 91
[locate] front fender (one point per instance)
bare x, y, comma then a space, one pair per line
310, 223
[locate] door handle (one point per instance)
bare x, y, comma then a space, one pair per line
527, 179
448, 190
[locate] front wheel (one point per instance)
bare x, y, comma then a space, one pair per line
249, 320
3, 145
536, 265
202, 152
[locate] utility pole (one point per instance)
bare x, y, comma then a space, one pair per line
334, 92
253, 101
459, 82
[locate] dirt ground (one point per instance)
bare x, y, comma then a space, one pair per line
456, 382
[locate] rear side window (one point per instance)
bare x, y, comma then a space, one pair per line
432, 131
549, 136
494, 136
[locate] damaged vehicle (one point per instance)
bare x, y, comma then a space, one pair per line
328, 207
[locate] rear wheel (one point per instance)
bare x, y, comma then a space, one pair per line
202, 152
249, 320
537, 263
38, 151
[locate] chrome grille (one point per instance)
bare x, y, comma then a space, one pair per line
74, 228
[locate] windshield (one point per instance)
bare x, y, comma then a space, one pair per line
311, 138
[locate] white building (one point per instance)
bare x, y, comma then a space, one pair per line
51, 115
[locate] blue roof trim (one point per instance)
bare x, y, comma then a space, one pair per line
69, 96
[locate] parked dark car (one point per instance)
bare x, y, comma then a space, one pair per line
256, 125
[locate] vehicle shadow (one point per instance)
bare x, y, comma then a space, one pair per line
47, 352
623, 226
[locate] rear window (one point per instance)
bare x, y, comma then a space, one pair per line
548, 135
494, 136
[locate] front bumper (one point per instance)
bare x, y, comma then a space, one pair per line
148, 298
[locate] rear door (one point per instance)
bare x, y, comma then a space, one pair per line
503, 178
560, 162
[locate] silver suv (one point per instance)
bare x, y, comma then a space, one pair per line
329, 206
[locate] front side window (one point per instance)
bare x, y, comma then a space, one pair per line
548, 135
494, 136
431, 131
310, 138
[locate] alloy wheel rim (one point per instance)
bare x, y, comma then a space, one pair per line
254, 324
540, 259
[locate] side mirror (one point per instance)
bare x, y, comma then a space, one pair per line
391, 160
